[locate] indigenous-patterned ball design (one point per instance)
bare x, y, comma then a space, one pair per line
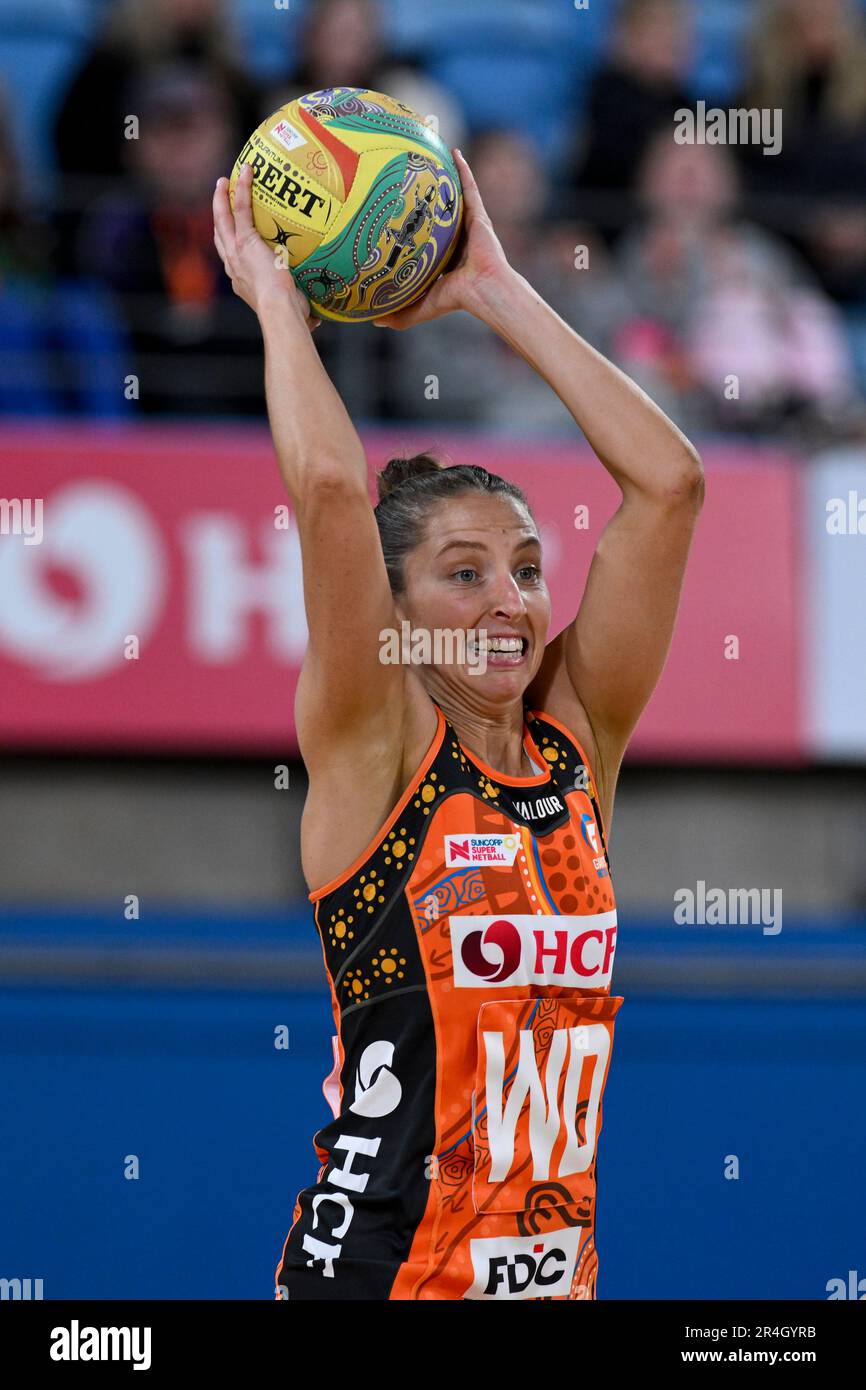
364, 198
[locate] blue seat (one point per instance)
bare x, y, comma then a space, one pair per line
855, 324
40, 46
268, 36
510, 62
507, 88
721, 29
58, 18
61, 348
419, 28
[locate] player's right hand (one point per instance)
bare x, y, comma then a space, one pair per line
258, 274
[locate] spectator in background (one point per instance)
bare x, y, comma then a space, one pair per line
138, 35
636, 91
808, 58
23, 240
479, 380
151, 243
61, 351
731, 331
343, 43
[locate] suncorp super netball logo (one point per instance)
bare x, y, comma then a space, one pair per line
70, 602
493, 850
524, 950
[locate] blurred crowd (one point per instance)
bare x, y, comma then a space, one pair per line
731, 284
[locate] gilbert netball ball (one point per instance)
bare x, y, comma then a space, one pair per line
364, 197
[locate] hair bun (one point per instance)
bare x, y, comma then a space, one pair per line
399, 471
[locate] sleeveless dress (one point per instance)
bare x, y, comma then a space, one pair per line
469, 952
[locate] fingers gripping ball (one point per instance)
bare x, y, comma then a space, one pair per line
363, 197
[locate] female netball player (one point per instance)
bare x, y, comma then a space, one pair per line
454, 835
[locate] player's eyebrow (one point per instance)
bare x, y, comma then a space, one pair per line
461, 545
480, 545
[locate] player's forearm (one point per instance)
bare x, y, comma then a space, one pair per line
315, 440
634, 439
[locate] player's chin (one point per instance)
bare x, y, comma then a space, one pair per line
499, 677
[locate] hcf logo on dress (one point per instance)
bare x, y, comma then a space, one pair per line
533, 950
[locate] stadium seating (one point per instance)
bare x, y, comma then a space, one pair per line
40, 46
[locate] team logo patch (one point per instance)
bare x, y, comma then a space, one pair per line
533, 950
513, 1267
377, 1090
493, 850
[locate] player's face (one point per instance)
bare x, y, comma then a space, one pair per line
477, 572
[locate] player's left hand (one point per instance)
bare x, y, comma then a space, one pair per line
480, 260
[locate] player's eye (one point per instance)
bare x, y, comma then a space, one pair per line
465, 576
529, 573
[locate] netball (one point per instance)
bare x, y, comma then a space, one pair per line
364, 197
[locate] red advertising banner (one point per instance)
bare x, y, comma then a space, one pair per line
150, 589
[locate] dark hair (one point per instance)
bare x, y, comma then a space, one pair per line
408, 489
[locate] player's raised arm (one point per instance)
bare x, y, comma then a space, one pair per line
611, 655
600, 672
347, 596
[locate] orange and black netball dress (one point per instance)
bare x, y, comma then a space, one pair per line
469, 952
